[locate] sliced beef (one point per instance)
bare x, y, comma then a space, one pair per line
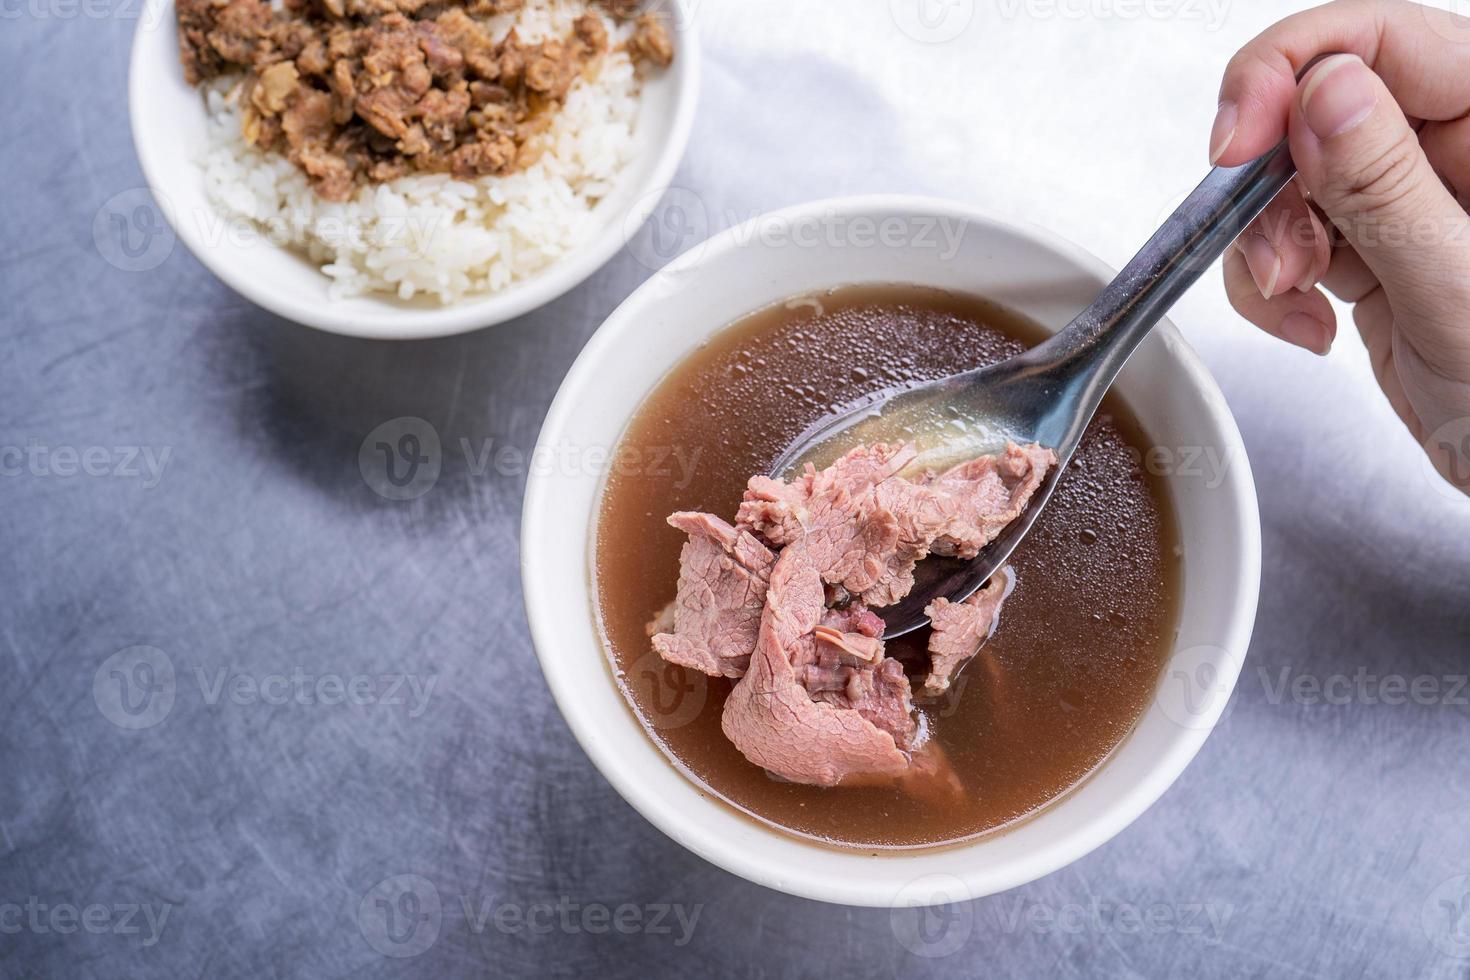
817, 700
772, 717
781, 512
849, 534
848, 670
723, 575
870, 528
989, 493
853, 618
961, 629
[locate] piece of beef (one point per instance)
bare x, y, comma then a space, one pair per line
723, 574
851, 540
819, 702
961, 629
851, 537
853, 618
848, 670
781, 512
870, 528
989, 492
771, 716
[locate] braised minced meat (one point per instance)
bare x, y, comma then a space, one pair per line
355, 91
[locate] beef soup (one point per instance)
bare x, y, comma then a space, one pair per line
1084, 630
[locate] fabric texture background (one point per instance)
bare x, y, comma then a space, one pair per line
1322, 835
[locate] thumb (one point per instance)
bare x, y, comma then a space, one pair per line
1364, 167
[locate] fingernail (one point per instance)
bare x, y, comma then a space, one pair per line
1264, 262
1308, 281
1338, 96
1223, 131
1306, 331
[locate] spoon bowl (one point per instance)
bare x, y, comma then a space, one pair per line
1046, 395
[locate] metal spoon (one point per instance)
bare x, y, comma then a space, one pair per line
1048, 394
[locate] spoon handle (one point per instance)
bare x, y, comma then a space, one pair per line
1088, 354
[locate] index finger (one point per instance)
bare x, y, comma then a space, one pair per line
1421, 53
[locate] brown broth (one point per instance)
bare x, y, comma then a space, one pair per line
1081, 641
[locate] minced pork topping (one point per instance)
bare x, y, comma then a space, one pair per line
356, 91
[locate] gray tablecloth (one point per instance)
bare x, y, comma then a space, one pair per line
257, 720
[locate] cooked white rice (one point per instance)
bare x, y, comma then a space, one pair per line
434, 235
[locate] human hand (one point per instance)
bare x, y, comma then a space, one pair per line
1380, 133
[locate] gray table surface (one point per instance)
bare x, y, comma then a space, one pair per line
215, 516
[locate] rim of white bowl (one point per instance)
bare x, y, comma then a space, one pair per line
684, 827
474, 313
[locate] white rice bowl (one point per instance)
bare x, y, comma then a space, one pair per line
434, 235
